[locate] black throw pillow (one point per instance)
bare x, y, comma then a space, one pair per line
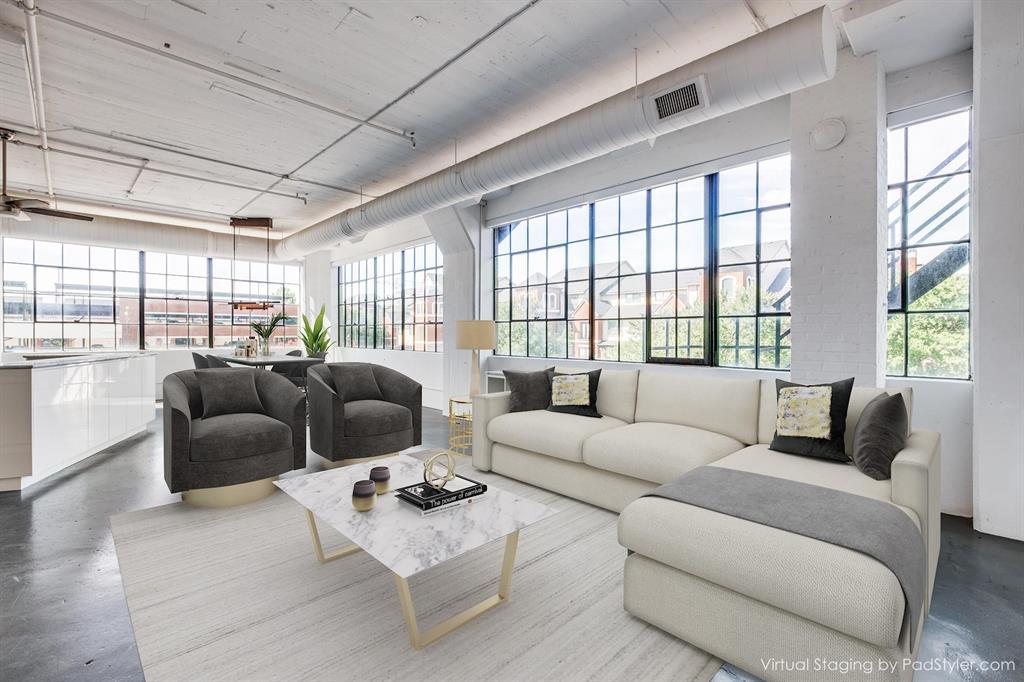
355, 381
811, 420
229, 391
880, 434
529, 390
574, 393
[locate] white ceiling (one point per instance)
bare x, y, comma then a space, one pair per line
313, 66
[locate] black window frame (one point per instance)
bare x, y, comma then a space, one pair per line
710, 271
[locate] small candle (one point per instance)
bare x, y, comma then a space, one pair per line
381, 476
363, 495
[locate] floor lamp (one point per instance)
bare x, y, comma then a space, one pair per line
475, 335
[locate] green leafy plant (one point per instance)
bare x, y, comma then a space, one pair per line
265, 330
316, 337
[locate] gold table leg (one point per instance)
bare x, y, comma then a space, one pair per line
318, 549
420, 640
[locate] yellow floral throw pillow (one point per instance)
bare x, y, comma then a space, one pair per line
570, 389
804, 412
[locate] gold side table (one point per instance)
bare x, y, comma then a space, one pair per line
460, 425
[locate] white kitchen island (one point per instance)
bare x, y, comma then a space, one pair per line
56, 410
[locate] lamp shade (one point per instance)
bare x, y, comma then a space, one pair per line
475, 334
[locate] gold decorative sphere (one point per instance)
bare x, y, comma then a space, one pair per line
431, 475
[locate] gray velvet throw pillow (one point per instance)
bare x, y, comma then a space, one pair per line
529, 390
355, 381
880, 434
229, 391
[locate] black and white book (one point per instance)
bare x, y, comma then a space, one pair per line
426, 497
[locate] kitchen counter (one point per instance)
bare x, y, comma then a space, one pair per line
33, 360
58, 409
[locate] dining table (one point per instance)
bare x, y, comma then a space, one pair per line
263, 361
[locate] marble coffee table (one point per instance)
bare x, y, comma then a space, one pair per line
406, 543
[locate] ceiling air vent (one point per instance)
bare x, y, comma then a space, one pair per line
681, 98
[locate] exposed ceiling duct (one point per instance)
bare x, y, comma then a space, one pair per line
789, 57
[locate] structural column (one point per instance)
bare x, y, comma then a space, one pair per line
997, 303
839, 223
318, 288
456, 231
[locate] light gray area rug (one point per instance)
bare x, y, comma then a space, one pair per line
236, 594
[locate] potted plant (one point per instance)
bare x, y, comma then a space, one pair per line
264, 330
316, 337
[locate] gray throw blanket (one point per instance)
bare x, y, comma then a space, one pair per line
863, 524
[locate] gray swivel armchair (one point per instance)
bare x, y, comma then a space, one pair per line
359, 410
228, 427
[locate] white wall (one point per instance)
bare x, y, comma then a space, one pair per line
426, 368
997, 253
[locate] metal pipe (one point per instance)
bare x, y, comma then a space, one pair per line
784, 59
35, 68
159, 171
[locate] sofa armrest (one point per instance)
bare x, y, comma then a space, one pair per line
326, 415
177, 433
486, 407
286, 403
916, 484
401, 390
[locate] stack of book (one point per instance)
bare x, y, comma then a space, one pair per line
429, 500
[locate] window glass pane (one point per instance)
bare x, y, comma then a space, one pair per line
938, 210
18, 277
556, 264
606, 298
938, 277
127, 260
537, 339
518, 236
579, 260
896, 344
775, 287
518, 338
691, 248
736, 341
894, 296
556, 340
736, 290
18, 337
663, 294
579, 300
663, 248
895, 151
48, 253
17, 250
101, 257
663, 205
520, 271
774, 351
773, 181
938, 146
691, 199
690, 293
775, 234
579, 223
606, 216
76, 256
737, 189
606, 256
938, 345
633, 211
632, 342
606, 340
633, 253
894, 234
538, 266
557, 228
501, 346
736, 238
537, 232
156, 262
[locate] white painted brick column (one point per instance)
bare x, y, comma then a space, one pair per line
839, 222
997, 268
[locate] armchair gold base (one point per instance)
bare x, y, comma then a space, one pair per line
230, 495
329, 464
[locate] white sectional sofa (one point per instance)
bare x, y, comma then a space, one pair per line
753, 595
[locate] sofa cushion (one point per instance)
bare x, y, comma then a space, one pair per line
235, 436
859, 399
827, 584
375, 418
616, 394
529, 390
811, 420
880, 435
656, 452
826, 473
725, 406
548, 433
574, 393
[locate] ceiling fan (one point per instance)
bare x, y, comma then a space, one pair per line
17, 208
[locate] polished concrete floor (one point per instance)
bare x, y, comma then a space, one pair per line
63, 614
